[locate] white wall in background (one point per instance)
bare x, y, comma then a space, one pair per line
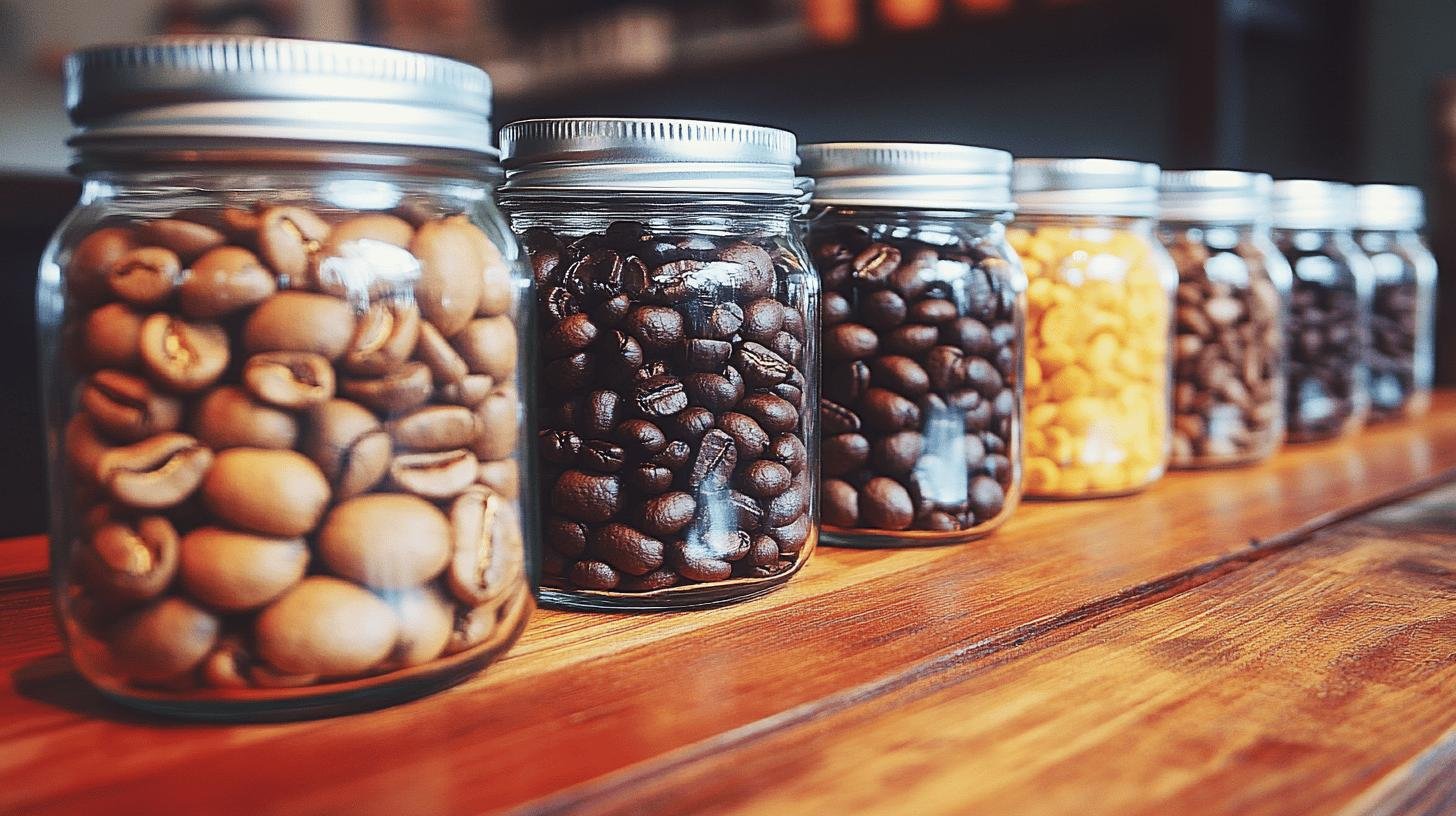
33, 123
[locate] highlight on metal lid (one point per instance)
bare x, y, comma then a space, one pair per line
909, 174
251, 88
1312, 204
647, 155
1110, 187
1389, 207
1215, 196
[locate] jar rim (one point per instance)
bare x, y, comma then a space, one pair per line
1094, 186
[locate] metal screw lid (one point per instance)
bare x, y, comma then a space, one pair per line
909, 175
1085, 187
1312, 204
1389, 207
1214, 196
263, 88
555, 156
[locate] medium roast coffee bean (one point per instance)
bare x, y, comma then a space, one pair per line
183, 356
132, 561
228, 417
271, 492
127, 407
233, 572
326, 626
226, 280
385, 541
289, 379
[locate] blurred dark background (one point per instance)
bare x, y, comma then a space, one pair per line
1357, 90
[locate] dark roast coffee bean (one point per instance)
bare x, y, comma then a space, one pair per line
841, 503
773, 413
660, 396
835, 308
897, 453
765, 551
792, 536
601, 411
623, 352
707, 355
847, 382
987, 498
885, 410
844, 453
983, 377
764, 479
657, 328
882, 310
747, 511
689, 424
875, 264
837, 419
560, 447
587, 496
723, 322
649, 479
748, 436
716, 459
661, 578
912, 339
900, 374
566, 536
674, 456
761, 366
610, 312
970, 336
625, 549
601, 456
569, 336
560, 303
696, 567
640, 438
851, 341
714, 392
789, 451
669, 513
885, 504
594, 575
788, 347
998, 467
762, 319
788, 505
933, 311
568, 373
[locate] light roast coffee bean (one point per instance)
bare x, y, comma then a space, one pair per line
317, 364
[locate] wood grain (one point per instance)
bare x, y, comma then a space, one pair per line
590, 706
1289, 685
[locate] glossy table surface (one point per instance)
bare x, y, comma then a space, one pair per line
1278, 639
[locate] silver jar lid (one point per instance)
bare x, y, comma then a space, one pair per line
1389, 207
910, 175
1214, 196
1311, 204
182, 89
556, 156
1108, 187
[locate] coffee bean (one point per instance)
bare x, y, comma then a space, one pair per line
111, 337
326, 626
184, 356
788, 505
130, 560
911, 339
762, 319
714, 392
986, 497
884, 504
748, 436
723, 322
761, 366
271, 492
155, 473
886, 410
586, 496
660, 397
602, 457
625, 549
649, 479
897, 453
773, 413
716, 459
850, 341
568, 537
435, 428
882, 310
789, 451
163, 641
396, 392
837, 419
289, 379
227, 279
674, 456
669, 513
875, 264
384, 338
690, 424
836, 309
841, 503
450, 284
488, 346
594, 575
436, 475
900, 374
657, 328
300, 321
127, 407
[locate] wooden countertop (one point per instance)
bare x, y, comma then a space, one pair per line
1280, 639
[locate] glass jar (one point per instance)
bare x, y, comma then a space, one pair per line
1329, 309
923, 309
1403, 301
285, 408
1099, 305
1228, 353
678, 374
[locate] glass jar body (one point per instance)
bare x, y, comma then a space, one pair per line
923, 323
1228, 353
678, 381
1327, 394
1098, 354
1402, 323
286, 411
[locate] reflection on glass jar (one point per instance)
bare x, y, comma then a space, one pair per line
679, 361
1327, 393
1098, 324
1228, 394
284, 391
923, 316
1403, 303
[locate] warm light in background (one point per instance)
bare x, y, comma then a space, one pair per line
985, 6
908, 13
835, 21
